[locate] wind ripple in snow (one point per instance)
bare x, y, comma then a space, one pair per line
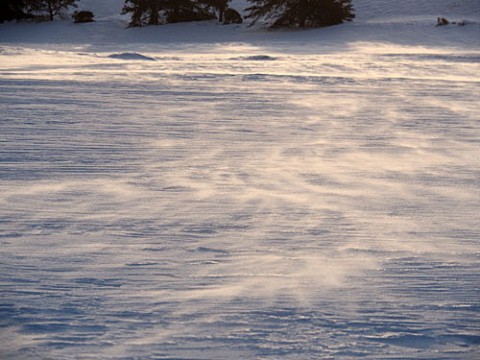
193, 211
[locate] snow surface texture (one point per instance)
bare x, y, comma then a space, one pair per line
240, 193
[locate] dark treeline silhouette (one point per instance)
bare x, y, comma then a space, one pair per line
33, 9
12, 10
155, 12
275, 13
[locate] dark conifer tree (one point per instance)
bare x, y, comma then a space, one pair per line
185, 10
153, 12
143, 12
301, 13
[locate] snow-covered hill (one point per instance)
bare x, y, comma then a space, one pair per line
406, 10
197, 191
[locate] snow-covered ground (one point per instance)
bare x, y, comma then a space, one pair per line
197, 191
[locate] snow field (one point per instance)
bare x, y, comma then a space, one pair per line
240, 198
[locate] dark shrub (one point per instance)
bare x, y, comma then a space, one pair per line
83, 17
232, 16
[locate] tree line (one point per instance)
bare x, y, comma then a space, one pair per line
275, 13
29, 9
